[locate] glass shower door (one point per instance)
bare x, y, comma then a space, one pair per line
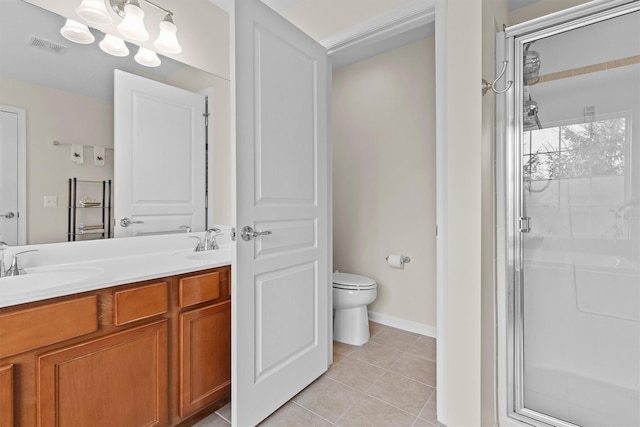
578, 308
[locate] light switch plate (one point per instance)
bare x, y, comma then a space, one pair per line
50, 201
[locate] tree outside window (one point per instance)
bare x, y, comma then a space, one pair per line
574, 178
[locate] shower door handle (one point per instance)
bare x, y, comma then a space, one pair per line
525, 224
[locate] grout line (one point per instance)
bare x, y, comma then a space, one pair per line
220, 415
425, 405
364, 393
317, 415
350, 407
391, 404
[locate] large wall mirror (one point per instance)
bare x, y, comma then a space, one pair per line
66, 91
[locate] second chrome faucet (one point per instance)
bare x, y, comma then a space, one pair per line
209, 242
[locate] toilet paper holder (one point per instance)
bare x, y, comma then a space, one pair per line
405, 259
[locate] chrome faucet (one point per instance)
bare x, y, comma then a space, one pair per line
199, 246
210, 239
209, 242
14, 269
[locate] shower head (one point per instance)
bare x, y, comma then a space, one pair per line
530, 65
530, 118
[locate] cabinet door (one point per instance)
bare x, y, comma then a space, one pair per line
205, 356
6, 396
117, 380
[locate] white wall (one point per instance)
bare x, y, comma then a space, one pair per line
464, 212
384, 178
494, 15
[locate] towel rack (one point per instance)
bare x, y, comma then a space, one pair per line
56, 143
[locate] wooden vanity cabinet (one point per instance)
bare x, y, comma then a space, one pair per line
141, 354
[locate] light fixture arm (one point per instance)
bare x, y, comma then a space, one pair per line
118, 6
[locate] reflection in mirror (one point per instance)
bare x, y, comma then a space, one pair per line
66, 91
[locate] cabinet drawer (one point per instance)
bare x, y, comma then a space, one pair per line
140, 303
197, 289
36, 327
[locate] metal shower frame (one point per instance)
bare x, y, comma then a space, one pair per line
510, 212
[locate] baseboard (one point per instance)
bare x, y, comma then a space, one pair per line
405, 325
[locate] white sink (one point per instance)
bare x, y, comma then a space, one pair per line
207, 257
44, 278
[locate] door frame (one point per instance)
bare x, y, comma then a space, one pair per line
22, 170
399, 21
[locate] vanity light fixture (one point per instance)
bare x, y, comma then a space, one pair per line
114, 46
167, 41
147, 57
77, 32
133, 28
94, 11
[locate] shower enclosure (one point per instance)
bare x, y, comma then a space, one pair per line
569, 226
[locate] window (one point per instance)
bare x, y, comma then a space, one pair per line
576, 177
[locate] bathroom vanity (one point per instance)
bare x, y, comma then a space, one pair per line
154, 352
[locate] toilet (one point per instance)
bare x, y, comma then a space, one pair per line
351, 295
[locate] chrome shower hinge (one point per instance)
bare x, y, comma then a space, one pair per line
525, 224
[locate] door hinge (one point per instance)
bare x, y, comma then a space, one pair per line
525, 224
206, 111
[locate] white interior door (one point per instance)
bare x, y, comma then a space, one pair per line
281, 291
159, 163
11, 176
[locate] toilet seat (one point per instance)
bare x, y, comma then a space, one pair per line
353, 282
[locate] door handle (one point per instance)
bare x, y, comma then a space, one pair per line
125, 222
9, 215
249, 233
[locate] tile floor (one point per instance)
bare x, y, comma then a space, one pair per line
390, 381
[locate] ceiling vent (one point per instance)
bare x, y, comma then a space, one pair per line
47, 45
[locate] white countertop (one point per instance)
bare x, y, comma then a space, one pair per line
68, 268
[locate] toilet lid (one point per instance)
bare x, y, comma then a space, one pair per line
352, 281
